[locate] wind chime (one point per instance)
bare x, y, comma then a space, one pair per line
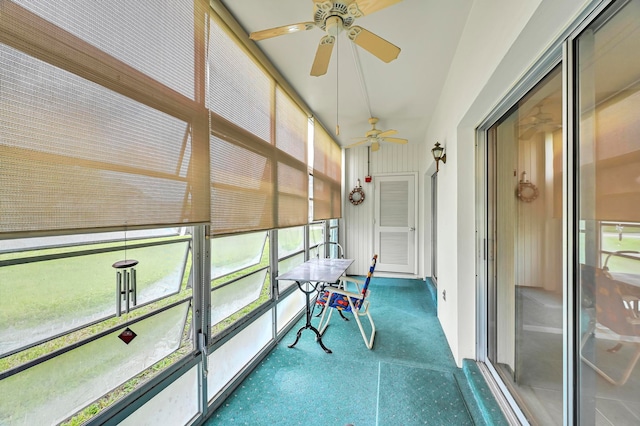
126, 287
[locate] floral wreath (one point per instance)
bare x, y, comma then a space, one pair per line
527, 192
357, 200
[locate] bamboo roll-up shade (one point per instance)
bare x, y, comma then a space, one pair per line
259, 177
327, 176
293, 195
253, 184
321, 198
292, 127
158, 42
242, 188
292, 130
88, 140
326, 199
240, 90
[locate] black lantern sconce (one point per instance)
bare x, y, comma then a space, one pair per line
438, 155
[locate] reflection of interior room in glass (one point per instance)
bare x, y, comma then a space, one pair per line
609, 234
609, 190
528, 222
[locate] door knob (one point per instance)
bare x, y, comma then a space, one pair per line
412, 229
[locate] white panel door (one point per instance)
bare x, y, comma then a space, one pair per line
395, 236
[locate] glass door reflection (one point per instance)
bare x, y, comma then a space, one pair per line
525, 333
608, 189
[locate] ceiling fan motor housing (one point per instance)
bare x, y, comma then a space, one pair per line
326, 13
373, 133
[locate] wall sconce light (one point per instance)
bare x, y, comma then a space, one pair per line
438, 155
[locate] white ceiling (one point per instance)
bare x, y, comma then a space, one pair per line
402, 93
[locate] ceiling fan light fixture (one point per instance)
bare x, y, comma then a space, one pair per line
334, 25
375, 136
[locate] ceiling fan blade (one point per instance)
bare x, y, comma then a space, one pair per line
375, 146
357, 143
367, 7
374, 44
278, 31
323, 55
396, 140
387, 133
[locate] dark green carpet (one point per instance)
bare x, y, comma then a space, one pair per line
407, 379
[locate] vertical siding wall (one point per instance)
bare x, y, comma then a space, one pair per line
531, 219
539, 244
358, 220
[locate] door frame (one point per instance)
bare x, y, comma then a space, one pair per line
414, 272
434, 227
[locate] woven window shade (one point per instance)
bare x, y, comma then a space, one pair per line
293, 196
292, 127
259, 176
327, 176
240, 91
321, 199
158, 42
242, 188
86, 140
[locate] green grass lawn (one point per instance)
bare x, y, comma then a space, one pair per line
74, 290
44, 298
628, 242
68, 289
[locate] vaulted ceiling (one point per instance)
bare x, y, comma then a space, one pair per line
402, 93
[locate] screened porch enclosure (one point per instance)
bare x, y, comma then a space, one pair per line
62, 328
149, 138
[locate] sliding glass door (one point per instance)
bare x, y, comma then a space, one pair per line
608, 212
562, 336
525, 269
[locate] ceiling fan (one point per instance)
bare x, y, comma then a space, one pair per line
333, 17
375, 136
534, 123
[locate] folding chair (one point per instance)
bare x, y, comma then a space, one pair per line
615, 306
346, 301
331, 250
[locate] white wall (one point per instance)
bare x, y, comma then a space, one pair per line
358, 233
502, 39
